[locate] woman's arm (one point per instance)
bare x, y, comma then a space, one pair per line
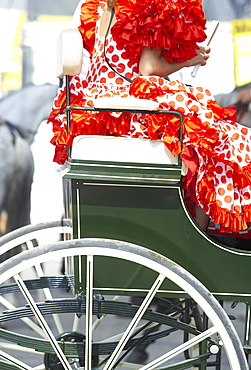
153, 63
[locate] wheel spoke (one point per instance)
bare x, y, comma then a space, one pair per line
17, 347
135, 330
89, 304
143, 307
75, 325
180, 349
14, 361
47, 292
129, 365
97, 322
42, 322
26, 320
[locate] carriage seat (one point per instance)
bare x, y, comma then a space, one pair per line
122, 149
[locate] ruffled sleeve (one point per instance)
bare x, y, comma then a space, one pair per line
88, 17
176, 26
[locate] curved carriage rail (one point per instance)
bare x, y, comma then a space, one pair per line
30, 232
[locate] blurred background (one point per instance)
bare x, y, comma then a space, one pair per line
28, 34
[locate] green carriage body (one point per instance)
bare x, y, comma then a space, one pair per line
143, 204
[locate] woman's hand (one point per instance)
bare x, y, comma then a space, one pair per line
201, 58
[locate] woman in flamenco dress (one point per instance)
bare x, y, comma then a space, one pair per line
146, 40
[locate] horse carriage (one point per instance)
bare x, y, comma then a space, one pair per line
127, 233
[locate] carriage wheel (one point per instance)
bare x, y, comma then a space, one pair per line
97, 330
25, 235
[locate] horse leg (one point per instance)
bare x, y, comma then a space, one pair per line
7, 164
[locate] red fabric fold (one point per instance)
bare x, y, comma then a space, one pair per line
144, 23
222, 112
89, 16
204, 192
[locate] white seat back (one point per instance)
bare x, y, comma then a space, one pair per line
69, 53
121, 149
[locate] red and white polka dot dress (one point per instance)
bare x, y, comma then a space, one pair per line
215, 148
